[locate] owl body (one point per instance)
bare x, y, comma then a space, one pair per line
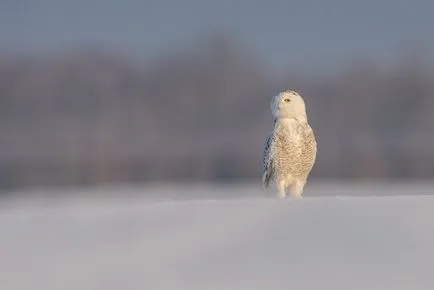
290, 150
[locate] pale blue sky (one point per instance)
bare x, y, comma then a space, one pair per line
309, 35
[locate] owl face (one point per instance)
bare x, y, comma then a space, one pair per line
288, 104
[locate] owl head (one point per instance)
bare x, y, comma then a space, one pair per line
289, 104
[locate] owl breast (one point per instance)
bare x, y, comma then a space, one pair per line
293, 152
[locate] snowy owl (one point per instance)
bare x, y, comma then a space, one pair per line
290, 149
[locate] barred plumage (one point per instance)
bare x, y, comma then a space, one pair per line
267, 158
290, 149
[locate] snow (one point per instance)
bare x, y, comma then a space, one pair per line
163, 238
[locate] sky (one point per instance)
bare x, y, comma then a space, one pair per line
309, 35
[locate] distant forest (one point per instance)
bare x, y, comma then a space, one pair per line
202, 114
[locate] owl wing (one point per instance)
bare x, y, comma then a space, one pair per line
267, 161
309, 149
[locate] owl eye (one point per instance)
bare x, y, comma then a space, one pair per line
287, 100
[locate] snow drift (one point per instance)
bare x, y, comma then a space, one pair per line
137, 242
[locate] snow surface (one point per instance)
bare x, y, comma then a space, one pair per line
162, 240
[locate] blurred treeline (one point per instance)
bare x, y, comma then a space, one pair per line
202, 114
